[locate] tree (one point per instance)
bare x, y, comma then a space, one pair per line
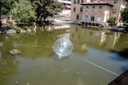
26, 11
23, 12
111, 21
124, 15
45, 9
6, 6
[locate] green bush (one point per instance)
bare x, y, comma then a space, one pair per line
111, 21
126, 26
17, 29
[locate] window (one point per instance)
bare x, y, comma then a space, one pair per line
115, 1
74, 9
93, 6
82, 1
100, 7
86, 6
114, 10
99, 19
68, 8
92, 18
77, 17
81, 9
78, 1
74, 1
86, 18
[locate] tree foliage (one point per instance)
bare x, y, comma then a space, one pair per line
124, 14
26, 11
6, 6
23, 12
111, 20
45, 9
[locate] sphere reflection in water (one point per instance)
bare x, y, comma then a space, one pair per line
63, 47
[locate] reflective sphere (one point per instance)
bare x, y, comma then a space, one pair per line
63, 47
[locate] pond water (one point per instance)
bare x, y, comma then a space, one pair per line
98, 57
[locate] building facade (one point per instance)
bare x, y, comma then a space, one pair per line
66, 7
66, 4
96, 11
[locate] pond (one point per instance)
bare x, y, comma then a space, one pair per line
98, 57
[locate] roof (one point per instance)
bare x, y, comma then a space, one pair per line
61, 1
98, 4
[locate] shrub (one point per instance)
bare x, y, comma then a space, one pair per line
111, 20
17, 29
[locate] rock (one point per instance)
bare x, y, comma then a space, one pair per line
15, 52
28, 83
11, 31
17, 82
29, 30
22, 31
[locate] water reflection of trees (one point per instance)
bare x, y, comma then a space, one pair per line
8, 64
122, 42
36, 45
31, 45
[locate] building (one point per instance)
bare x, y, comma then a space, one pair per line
66, 4
66, 7
96, 11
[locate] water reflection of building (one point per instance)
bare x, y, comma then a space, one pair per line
100, 39
76, 38
103, 37
116, 38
